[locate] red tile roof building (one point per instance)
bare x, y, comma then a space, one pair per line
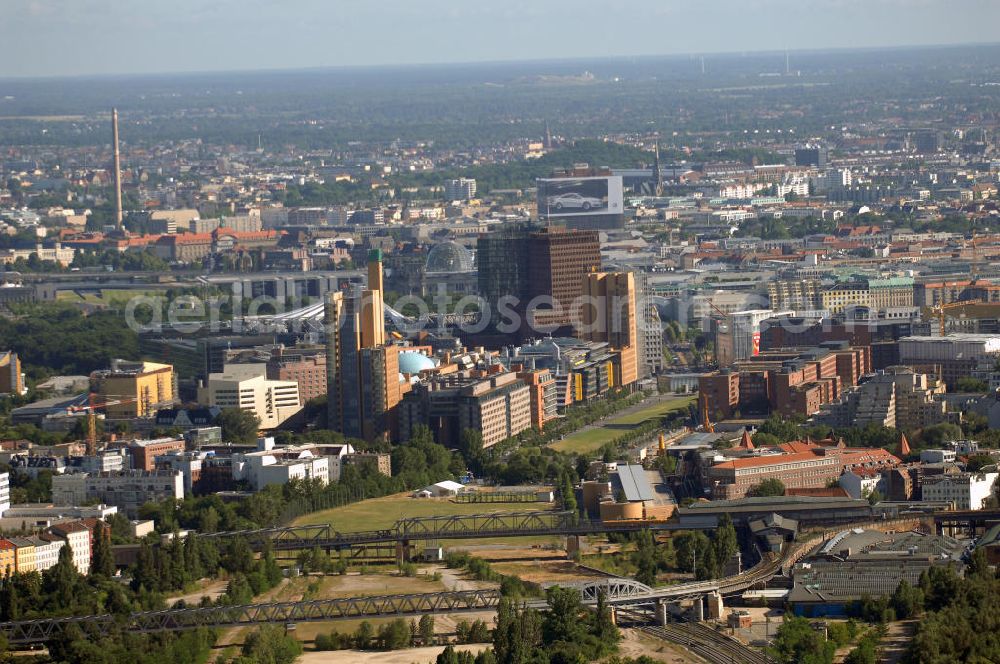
798, 465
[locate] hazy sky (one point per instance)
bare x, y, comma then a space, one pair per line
69, 37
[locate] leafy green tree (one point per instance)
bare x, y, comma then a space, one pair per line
61, 582
103, 558
938, 434
724, 539
645, 558
562, 620
517, 634
269, 645
568, 494
604, 626
907, 601
695, 553
772, 486
979, 461
425, 630
471, 448
238, 426
395, 635
796, 642
363, 635
970, 385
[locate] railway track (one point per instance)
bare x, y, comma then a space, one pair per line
708, 644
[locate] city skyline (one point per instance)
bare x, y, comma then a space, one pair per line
81, 37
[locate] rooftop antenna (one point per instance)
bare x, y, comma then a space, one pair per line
118, 169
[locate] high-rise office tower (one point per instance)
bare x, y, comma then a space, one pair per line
544, 266
610, 316
373, 306
343, 339
362, 371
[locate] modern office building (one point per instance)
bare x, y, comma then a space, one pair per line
538, 274
952, 357
737, 336
795, 294
650, 328
494, 402
609, 316
794, 381
544, 395
11, 378
135, 389
362, 369
279, 465
874, 294
246, 386
128, 490
307, 367
811, 155
4, 492
143, 453
460, 189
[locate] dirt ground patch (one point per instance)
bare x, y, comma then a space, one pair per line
546, 571
408, 656
897, 640
356, 585
635, 644
206, 588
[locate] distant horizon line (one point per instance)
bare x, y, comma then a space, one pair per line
6, 78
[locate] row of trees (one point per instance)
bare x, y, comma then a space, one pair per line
390, 636
690, 551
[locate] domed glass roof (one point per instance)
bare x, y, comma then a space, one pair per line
412, 362
449, 256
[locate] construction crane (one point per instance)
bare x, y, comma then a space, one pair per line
939, 312
95, 401
705, 421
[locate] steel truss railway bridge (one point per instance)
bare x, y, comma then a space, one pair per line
405, 532
621, 594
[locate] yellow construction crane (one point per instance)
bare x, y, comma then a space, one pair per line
939, 312
92, 405
705, 421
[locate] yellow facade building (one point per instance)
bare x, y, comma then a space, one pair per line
141, 387
609, 315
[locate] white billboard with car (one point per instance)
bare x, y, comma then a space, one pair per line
564, 197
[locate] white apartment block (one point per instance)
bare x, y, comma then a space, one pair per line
461, 189
246, 386
280, 466
127, 490
968, 491
47, 552
4, 492
860, 484
77, 537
